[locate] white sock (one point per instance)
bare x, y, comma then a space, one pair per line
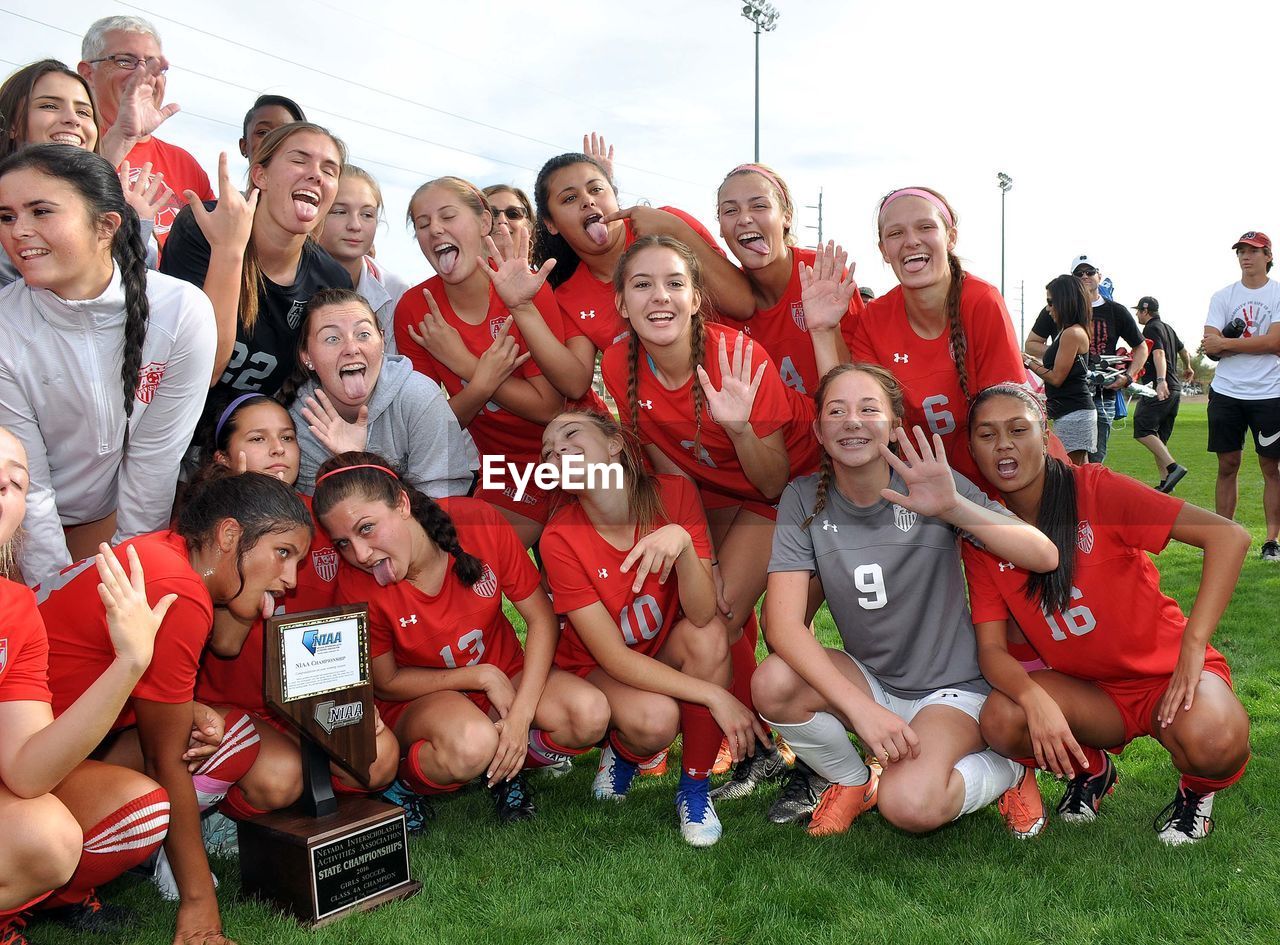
986, 776
823, 744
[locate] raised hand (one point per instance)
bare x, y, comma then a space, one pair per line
500, 360
825, 288
228, 225
148, 195
513, 280
924, 470
656, 552
140, 112
131, 621
335, 433
437, 337
593, 146
730, 406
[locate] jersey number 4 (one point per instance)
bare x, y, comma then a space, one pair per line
470, 644
1077, 620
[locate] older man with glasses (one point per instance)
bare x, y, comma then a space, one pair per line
123, 62
1111, 323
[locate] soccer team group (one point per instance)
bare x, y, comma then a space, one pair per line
217, 414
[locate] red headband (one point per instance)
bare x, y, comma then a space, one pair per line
763, 172
334, 472
917, 192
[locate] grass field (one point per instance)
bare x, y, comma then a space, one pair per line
585, 872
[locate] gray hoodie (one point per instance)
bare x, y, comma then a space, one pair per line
410, 423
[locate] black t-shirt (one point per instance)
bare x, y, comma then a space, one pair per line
1111, 322
1163, 338
262, 358
1074, 393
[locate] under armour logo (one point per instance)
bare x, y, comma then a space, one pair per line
405, 621
647, 404
591, 313
1006, 566
603, 572
826, 525
901, 358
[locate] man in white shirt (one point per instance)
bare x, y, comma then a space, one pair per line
1242, 330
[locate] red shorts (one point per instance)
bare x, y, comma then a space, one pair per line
391, 711
715, 500
1138, 699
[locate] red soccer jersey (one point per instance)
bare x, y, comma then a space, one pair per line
495, 429
24, 650
239, 681
588, 302
667, 421
582, 568
1118, 626
80, 647
781, 329
181, 173
459, 625
926, 368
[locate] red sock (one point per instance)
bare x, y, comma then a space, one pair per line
230, 762
411, 774
543, 751
1209, 785
235, 806
701, 739
623, 751
121, 840
743, 656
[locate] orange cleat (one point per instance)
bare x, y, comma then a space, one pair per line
1022, 807
724, 759
841, 805
656, 766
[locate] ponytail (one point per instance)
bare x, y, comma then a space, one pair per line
1058, 520
130, 255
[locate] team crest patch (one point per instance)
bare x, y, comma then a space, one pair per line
797, 315
4, 653
495, 326
325, 561
487, 586
905, 519
294, 317
1084, 537
149, 378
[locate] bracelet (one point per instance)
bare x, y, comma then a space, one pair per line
715, 562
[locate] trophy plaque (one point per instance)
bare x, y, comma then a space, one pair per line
325, 857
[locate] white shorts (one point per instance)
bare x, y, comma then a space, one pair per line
970, 703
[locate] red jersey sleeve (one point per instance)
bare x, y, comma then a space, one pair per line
859, 340
518, 576
171, 677
985, 600
24, 647
1142, 518
566, 574
409, 311
993, 346
697, 227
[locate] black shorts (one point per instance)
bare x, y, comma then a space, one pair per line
1230, 417
1155, 417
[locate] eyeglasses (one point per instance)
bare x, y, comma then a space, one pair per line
514, 214
1081, 273
127, 63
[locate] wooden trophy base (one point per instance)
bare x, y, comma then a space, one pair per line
320, 869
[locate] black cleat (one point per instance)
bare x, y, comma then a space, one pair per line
13, 928
752, 771
799, 795
1186, 819
1080, 803
512, 800
418, 811
92, 916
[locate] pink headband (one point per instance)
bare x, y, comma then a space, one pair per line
917, 192
763, 172
334, 472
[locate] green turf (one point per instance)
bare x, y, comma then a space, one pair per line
586, 872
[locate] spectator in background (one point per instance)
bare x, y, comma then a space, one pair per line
269, 112
1111, 322
114, 48
1064, 370
866, 293
1153, 420
1245, 392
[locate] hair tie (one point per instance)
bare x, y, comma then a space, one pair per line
917, 192
342, 469
231, 408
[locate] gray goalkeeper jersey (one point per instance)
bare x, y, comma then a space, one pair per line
893, 582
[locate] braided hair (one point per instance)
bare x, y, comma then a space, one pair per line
96, 182
1058, 517
372, 478
697, 327
548, 245
897, 406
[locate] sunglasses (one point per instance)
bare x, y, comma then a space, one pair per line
514, 214
1081, 273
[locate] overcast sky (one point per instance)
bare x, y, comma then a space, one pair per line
1143, 134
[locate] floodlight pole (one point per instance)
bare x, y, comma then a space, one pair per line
765, 17
1006, 184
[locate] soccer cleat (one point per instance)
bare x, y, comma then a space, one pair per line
724, 758
418, 811
1172, 478
841, 804
799, 795
220, 833
1186, 819
1270, 550
751, 772
699, 824
788, 753
656, 766
1084, 794
559, 769
93, 916
12, 929
512, 800
165, 882
613, 777
1022, 807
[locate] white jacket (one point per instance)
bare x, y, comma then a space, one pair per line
60, 394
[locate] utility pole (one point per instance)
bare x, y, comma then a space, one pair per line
810, 206
1006, 185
